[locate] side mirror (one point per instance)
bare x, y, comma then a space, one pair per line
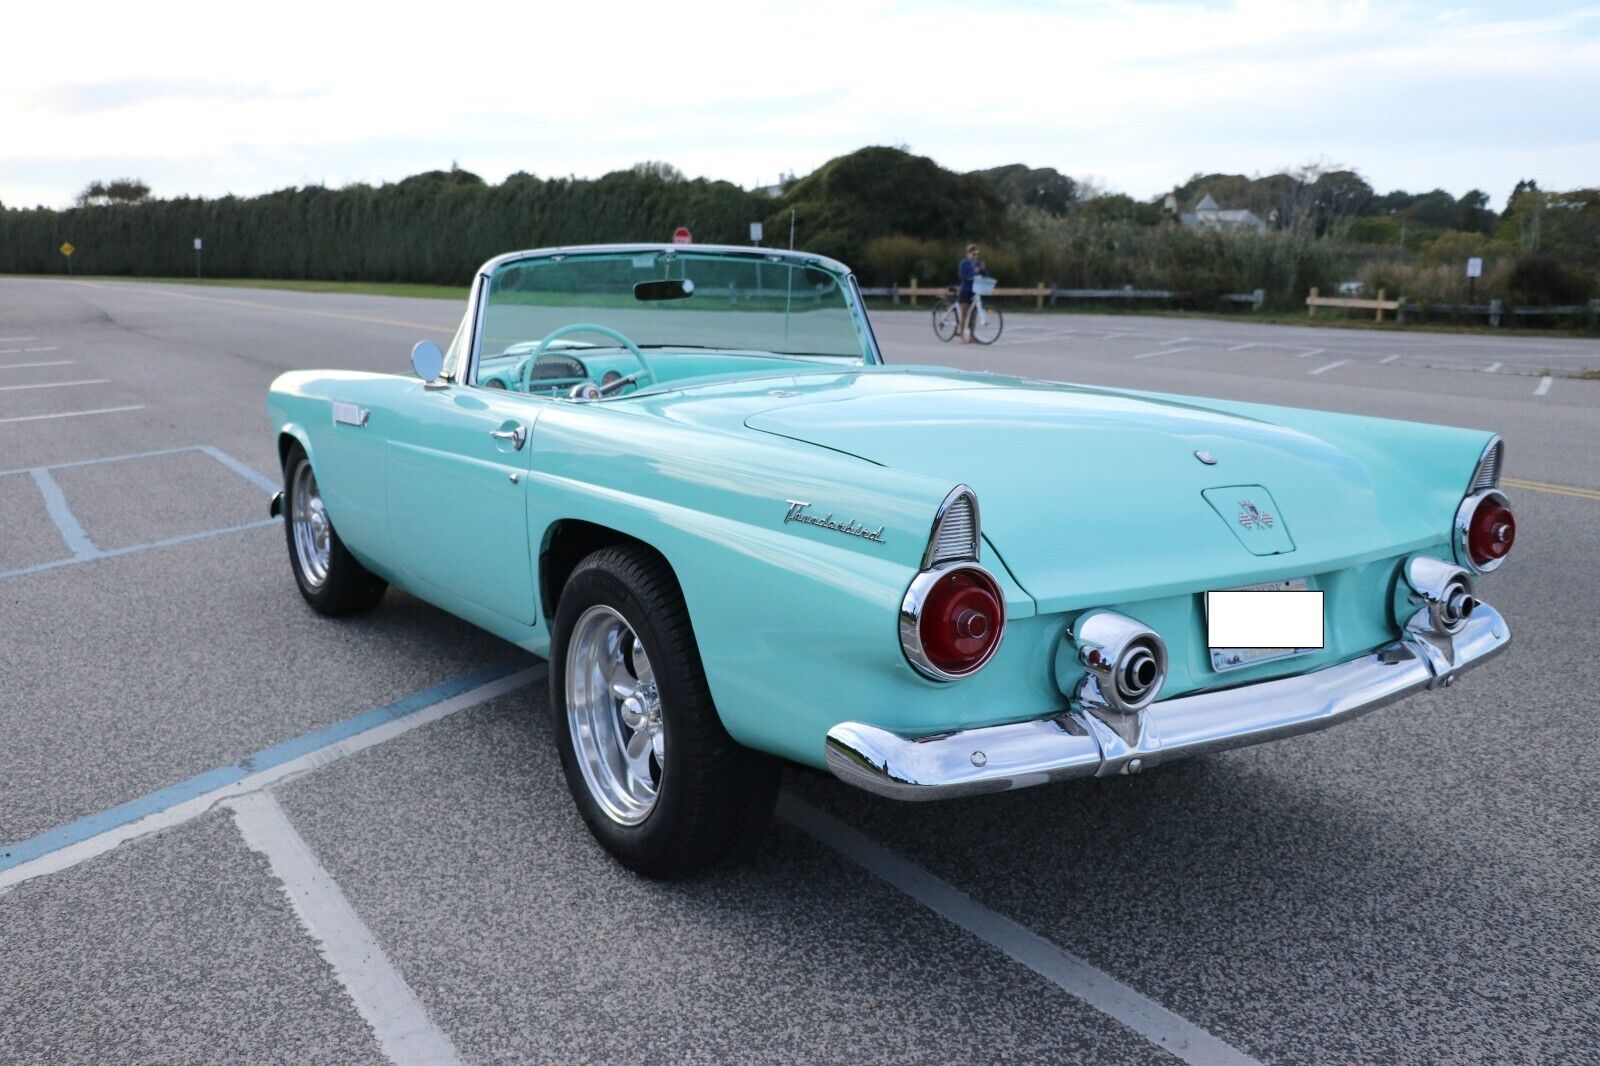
427, 360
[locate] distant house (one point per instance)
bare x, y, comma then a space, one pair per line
1207, 215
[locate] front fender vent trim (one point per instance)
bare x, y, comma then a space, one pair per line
955, 529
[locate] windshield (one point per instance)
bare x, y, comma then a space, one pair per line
740, 302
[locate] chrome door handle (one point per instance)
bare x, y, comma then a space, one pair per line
518, 436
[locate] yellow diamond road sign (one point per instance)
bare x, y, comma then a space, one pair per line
67, 248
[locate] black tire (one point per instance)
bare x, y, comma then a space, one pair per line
944, 327
347, 587
989, 332
714, 794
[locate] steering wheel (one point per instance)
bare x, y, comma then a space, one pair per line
582, 327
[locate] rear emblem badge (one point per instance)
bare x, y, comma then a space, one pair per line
1206, 458
1253, 517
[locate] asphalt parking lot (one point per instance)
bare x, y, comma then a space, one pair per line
232, 830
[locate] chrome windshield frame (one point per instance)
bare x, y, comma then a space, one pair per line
871, 354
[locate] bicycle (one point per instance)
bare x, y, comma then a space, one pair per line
986, 323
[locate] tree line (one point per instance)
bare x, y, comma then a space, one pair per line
889, 213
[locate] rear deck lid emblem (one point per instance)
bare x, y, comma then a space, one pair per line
1254, 517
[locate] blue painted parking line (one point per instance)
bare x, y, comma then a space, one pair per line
303, 747
55, 504
114, 553
77, 538
249, 473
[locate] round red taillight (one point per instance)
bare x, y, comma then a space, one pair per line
961, 620
1491, 532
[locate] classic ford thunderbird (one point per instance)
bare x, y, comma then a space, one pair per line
685, 475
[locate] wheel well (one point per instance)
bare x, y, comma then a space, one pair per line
566, 544
284, 440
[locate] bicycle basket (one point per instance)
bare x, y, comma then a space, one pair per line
983, 286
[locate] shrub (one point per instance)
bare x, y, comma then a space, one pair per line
1543, 279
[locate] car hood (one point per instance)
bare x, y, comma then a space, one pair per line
1088, 493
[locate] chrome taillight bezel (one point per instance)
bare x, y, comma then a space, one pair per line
1463, 524
911, 610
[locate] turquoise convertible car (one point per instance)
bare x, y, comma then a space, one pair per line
685, 475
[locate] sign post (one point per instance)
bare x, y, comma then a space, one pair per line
197, 257
66, 250
681, 235
1474, 272
755, 234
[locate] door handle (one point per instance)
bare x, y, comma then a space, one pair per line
518, 436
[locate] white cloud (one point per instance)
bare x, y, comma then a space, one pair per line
208, 98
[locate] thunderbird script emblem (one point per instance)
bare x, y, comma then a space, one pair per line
798, 513
1253, 517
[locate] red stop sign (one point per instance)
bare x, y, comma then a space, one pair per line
681, 235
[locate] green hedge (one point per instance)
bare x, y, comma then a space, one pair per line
430, 228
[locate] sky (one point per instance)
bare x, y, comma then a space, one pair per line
209, 99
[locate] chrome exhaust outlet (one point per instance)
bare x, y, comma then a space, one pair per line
1125, 662
1443, 590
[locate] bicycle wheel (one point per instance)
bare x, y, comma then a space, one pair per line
944, 319
986, 327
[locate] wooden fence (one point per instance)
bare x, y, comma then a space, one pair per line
1495, 311
1042, 294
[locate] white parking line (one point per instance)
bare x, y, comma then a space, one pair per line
14, 351
1176, 340
1242, 347
1167, 351
16, 340
1313, 351
55, 384
1544, 385
1100, 990
74, 414
1493, 367
25, 366
398, 1019
1330, 366
1388, 359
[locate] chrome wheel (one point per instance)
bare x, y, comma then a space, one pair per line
313, 535
614, 715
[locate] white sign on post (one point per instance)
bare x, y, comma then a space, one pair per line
197, 244
1475, 267
755, 233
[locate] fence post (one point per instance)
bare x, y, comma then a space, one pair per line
913, 292
1400, 312
1038, 301
1494, 312
1258, 299
1053, 294
1382, 295
1311, 303
894, 293
1594, 313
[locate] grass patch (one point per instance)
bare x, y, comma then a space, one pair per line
361, 288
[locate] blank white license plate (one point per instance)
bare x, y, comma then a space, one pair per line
1262, 623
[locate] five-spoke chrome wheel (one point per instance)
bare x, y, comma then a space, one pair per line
614, 715
309, 521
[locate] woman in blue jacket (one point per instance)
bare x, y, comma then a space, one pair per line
971, 266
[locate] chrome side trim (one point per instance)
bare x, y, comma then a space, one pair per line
1074, 744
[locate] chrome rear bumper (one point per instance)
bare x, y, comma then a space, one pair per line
1080, 744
